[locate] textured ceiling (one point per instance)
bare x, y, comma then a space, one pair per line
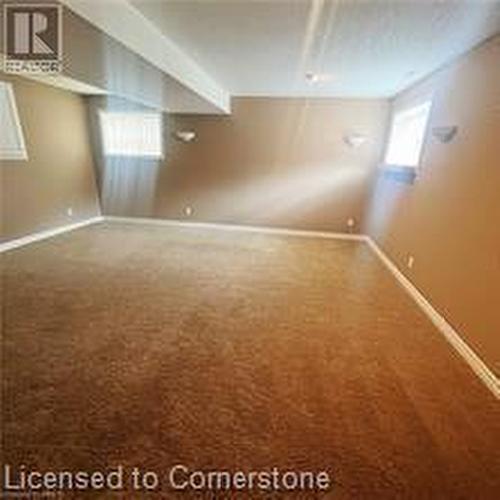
367, 48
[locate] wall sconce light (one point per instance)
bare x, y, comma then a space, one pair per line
312, 77
444, 134
185, 135
355, 140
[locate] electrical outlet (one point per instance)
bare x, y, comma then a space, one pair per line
410, 261
69, 212
188, 211
350, 222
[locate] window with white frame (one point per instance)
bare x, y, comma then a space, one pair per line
407, 134
12, 145
132, 134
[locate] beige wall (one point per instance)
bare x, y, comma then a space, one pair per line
449, 220
278, 162
59, 173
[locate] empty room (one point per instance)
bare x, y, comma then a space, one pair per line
250, 249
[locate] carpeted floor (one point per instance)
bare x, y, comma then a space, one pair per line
150, 346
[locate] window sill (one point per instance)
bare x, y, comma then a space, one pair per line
13, 154
399, 173
133, 157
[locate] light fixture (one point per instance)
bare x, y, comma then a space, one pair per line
445, 134
355, 140
312, 77
185, 135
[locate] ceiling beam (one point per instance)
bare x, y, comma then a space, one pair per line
123, 22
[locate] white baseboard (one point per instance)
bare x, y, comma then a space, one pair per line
477, 365
43, 235
241, 228
473, 360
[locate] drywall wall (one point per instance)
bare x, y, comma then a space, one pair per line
274, 162
59, 173
449, 219
278, 162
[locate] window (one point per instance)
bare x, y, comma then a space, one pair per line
12, 146
407, 136
132, 134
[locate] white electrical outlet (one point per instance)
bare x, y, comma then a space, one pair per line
410, 261
188, 211
69, 211
351, 223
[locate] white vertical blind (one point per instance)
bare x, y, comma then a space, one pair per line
132, 134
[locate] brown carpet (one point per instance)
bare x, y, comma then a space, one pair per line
151, 346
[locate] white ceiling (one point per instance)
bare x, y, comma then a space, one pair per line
369, 48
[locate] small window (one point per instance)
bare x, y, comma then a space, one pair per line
406, 138
132, 134
12, 145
